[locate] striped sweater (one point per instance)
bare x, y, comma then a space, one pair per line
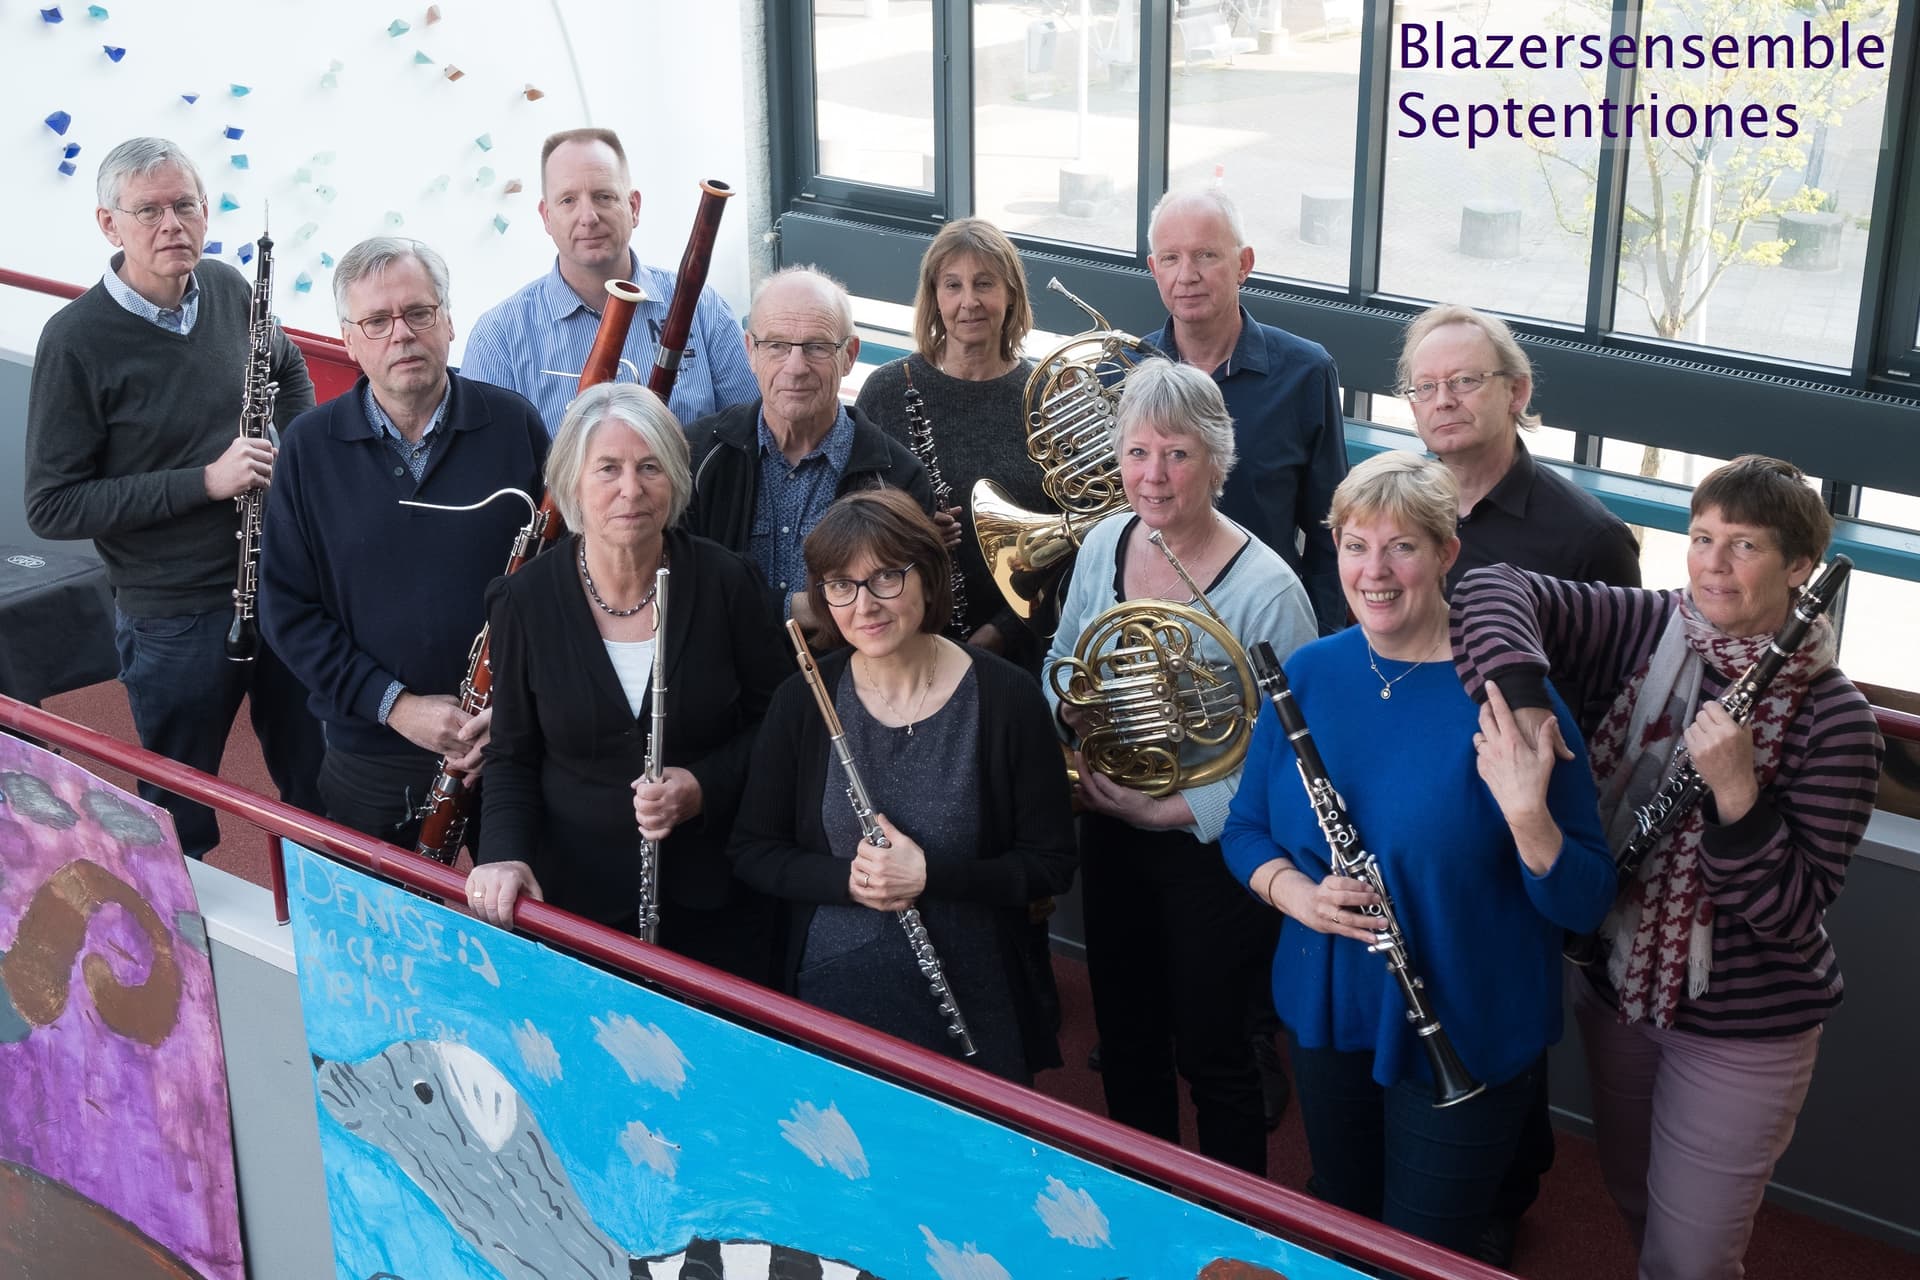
1772, 874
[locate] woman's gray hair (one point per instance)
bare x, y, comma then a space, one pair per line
1178, 400
136, 158
371, 257
1407, 487
639, 411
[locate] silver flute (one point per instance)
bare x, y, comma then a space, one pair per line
923, 953
656, 752
920, 440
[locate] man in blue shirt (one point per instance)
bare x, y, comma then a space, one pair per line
1283, 391
765, 472
536, 342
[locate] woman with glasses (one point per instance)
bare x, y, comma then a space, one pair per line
957, 754
960, 398
1175, 950
1488, 848
574, 645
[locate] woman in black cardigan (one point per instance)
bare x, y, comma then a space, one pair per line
957, 751
573, 647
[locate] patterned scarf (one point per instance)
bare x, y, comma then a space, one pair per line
1661, 925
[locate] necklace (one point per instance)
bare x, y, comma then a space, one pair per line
594, 591
1386, 685
926, 687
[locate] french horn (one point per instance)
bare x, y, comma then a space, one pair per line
1071, 400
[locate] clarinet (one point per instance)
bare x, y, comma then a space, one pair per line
256, 423
1452, 1083
923, 952
656, 751
1683, 788
920, 440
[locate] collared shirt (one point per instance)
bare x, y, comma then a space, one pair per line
1538, 520
178, 319
536, 342
789, 501
414, 454
1283, 393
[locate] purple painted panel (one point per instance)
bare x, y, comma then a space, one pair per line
112, 1080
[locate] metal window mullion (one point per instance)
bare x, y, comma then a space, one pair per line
1610, 185
1156, 112
1885, 340
791, 144
1370, 148
953, 107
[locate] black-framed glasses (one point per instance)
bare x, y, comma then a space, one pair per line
186, 208
418, 319
778, 349
1461, 384
881, 584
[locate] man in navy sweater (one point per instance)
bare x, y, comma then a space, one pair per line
373, 604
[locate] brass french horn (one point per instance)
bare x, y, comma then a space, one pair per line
1149, 691
1071, 399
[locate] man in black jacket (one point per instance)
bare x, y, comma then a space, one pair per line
764, 473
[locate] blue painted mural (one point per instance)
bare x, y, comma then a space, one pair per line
492, 1108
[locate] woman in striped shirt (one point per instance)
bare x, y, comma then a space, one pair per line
1702, 1013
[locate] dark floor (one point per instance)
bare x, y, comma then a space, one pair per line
1571, 1234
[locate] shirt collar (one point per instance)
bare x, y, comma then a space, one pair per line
1249, 349
1510, 494
561, 301
130, 298
836, 447
383, 425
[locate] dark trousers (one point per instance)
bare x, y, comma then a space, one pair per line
1390, 1154
1173, 944
378, 794
184, 692
1532, 1157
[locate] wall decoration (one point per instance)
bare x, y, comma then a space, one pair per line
492, 1108
116, 1155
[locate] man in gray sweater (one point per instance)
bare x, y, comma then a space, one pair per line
132, 441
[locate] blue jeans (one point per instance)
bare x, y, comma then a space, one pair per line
184, 692
1390, 1154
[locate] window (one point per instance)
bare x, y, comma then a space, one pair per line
873, 66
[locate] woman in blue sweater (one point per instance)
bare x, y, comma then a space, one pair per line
1489, 845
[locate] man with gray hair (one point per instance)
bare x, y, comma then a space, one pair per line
133, 441
1283, 391
765, 472
374, 604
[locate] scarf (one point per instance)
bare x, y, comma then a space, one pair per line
1661, 925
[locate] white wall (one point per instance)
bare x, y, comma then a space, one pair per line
667, 76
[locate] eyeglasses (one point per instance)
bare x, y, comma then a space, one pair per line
1461, 384
187, 208
881, 584
778, 349
418, 319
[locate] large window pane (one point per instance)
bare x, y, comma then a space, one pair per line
1748, 243
1499, 224
1271, 113
873, 68
1056, 119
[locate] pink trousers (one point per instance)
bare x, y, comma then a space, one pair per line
1689, 1129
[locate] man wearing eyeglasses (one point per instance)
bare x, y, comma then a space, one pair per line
765, 472
133, 441
375, 604
1283, 391
536, 341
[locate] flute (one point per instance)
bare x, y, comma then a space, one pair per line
1452, 1082
923, 953
656, 755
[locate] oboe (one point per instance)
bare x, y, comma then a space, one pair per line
1683, 788
920, 440
923, 953
1452, 1082
256, 423
656, 751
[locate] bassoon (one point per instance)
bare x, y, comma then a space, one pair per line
443, 814
1452, 1082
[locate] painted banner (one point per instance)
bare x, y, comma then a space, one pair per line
490, 1107
116, 1150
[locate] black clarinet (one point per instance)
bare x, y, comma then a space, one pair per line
256, 423
1683, 789
1452, 1082
923, 953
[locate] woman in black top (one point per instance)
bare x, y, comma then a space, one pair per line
573, 652
956, 749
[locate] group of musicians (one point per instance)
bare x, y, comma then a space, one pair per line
1495, 705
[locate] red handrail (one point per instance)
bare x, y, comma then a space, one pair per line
1903, 726
1272, 1208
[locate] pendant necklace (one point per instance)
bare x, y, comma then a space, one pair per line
1386, 685
921, 701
